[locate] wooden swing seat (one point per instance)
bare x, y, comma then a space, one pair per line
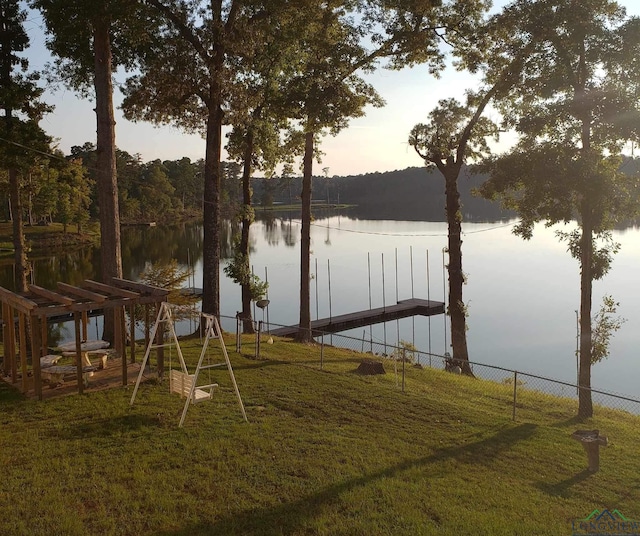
181, 383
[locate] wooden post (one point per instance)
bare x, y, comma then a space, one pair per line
79, 363
146, 325
121, 347
123, 331
5, 333
9, 338
159, 342
44, 335
23, 351
35, 356
132, 331
85, 321
117, 340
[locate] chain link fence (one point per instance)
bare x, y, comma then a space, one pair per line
520, 392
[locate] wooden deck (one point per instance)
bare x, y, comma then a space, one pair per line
336, 324
107, 378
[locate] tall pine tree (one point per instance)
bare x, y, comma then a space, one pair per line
20, 102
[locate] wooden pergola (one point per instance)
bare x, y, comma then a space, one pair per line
31, 312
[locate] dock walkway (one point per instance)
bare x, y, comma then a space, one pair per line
336, 324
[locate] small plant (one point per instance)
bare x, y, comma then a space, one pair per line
170, 276
604, 325
238, 271
406, 351
509, 381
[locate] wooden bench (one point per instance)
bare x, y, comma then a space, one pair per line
181, 383
55, 374
85, 346
85, 357
100, 355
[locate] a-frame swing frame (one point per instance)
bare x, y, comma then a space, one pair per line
194, 392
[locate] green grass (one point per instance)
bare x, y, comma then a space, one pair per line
326, 452
43, 238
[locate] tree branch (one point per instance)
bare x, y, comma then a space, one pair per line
185, 30
509, 72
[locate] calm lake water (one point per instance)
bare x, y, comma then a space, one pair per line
522, 296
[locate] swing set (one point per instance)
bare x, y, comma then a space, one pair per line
180, 381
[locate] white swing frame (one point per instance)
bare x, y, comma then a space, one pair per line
180, 381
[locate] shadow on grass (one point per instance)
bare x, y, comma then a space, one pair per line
562, 488
313, 363
258, 363
108, 426
574, 420
287, 518
9, 393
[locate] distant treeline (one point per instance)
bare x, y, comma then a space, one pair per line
415, 193
170, 191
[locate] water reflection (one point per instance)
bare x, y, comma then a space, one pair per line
521, 295
160, 244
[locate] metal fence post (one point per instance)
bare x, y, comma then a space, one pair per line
515, 392
238, 337
321, 350
258, 339
404, 359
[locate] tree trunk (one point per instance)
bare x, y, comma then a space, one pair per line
211, 205
457, 311
304, 331
15, 203
107, 181
247, 320
585, 404
19, 243
30, 203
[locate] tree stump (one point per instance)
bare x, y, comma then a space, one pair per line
370, 367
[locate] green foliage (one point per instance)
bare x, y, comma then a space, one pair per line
19, 94
70, 27
574, 106
405, 350
603, 249
246, 213
239, 271
170, 276
604, 327
439, 140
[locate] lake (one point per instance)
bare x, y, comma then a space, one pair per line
522, 296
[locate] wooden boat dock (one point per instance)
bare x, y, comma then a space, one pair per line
336, 324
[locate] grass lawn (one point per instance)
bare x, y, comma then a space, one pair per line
325, 452
41, 238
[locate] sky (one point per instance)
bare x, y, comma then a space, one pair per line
375, 142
